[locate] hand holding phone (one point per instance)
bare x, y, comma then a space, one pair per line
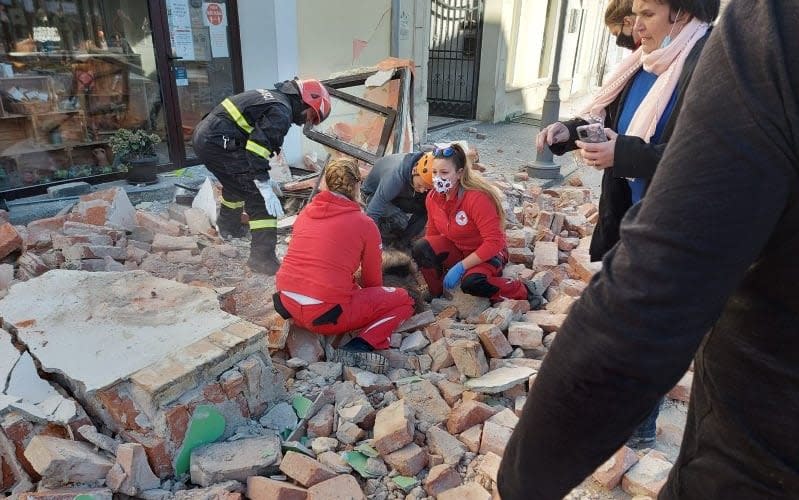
593, 132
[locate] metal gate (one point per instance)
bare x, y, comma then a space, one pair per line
456, 33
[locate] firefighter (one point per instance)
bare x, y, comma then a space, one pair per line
236, 141
395, 190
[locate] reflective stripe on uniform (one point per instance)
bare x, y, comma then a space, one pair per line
255, 148
263, 224
232, 204
234, 113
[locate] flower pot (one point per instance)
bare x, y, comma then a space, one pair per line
143, 170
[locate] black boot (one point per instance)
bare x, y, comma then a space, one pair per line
229, 223
534, 296
359, 353
262, 252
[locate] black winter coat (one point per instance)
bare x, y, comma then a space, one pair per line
706, 268
633, 158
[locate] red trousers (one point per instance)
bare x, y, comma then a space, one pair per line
483, 280
376, 311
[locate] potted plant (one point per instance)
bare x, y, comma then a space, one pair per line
136, 150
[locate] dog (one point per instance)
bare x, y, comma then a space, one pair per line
400, 271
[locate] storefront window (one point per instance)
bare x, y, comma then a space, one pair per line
71, 74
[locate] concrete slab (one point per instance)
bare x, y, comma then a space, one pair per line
97, 328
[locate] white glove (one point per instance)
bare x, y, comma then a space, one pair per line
267, 189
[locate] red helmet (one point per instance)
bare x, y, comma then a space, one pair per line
315, 95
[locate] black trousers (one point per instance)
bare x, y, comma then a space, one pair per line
229, 165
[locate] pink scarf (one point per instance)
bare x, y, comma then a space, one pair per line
666, 63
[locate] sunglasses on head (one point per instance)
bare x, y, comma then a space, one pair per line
444, 152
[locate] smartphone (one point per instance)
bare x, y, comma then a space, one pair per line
593, 132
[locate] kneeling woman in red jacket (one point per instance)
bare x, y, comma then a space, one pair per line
465, 234
330, 240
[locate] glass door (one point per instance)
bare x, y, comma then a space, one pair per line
203, 65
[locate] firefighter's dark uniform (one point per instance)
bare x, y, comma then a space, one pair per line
235, 141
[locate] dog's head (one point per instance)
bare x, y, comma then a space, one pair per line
400, 271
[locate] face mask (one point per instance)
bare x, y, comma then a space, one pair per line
666, 41
626, 41
441, 185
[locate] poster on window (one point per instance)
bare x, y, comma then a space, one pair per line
214, 14
180, 29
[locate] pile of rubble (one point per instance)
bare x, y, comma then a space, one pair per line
181, 382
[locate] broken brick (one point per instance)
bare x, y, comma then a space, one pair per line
468, 414
525, 335
321, 424
440, 479
343, 486
61, 461
469, 358
394, 427
471, 437
408, 460
494, 341
305, 470
10, 240
467, 491
610, 473
262, 488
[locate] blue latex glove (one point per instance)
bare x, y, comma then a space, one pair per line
267, 189
454, 275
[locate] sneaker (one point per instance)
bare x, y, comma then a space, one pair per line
640, 443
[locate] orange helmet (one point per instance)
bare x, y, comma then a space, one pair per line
315, 95
424, 168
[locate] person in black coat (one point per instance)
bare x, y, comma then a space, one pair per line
627, 155
641, 101
705, 270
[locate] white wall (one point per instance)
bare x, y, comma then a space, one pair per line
269, 52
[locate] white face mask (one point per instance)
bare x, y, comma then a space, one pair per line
442, 185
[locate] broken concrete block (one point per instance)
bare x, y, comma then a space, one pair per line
136, 473
305, 470
417, 321
166, 243
521, 255
262, 488
349, 433
119, 212
499, 380
468, 305
648, 476
61, 461
394, 427
469, 358
525, 335
610, 473
489, 466
468, 414
10, 240
440, 479
197, 221
236, 460
445, 444
468, 491
344, 486
327, 370
229, 490
280, 417
408, 460
321, 424
425, 400
356, 411
494, 342
322, 444
335, 462
416, 341
304, 344
368, 381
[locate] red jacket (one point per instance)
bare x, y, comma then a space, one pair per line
470, 221
331, 238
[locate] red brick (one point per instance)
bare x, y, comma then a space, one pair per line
525, 335
408, 460
471, 437
469, 358
10, 240
213, 393
547, 321
494, 438
121, 408
394, 427
321, 424
158, 452
343, 486
233, 384
468, 491
468, 414
610, 473
450, 391
305, 470
494, 341
440, 479
157, 224
177, 421
261, 488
